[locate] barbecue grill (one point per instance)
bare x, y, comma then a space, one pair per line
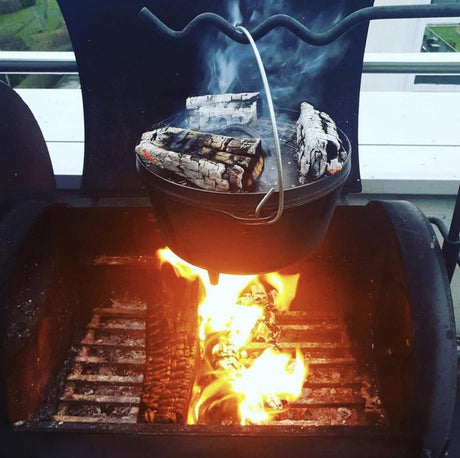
85, 302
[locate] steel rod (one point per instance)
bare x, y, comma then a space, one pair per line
408, 63
389, 66
276, 141
37, 62
296, 27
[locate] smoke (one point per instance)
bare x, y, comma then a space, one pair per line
293, 67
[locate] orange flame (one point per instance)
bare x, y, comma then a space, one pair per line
231, 387
286, 286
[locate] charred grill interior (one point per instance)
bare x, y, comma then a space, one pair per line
104, 371
99, 337
133, 348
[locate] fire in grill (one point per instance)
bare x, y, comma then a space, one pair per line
107, 367
131, 318
137, 362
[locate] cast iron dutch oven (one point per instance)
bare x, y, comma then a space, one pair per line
201, 226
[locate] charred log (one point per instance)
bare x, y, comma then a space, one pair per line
169, 370
212, 162
320, 149
213, 112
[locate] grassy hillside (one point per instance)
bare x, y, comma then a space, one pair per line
37, 28
449, 33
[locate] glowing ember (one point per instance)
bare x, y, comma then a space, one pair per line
231, 386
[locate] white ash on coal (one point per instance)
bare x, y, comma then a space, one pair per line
320, 150
211, 112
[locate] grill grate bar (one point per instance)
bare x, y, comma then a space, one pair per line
108, 379
85, 419
111, 344
355, 384
99, 399
328, 397
302, 345
121, 312
331, 361
121, 326
107, 360
321, 416
99, 337
310, 326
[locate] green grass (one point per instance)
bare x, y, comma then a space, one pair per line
27, 30
28, 25
448, 33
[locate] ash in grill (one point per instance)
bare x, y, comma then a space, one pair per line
105, 380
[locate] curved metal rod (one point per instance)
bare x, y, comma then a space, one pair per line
298, 29
272, 219
276, 139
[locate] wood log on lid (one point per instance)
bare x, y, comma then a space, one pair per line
320, 148
209, 161
212, 112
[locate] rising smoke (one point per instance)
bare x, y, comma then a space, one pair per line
293, 67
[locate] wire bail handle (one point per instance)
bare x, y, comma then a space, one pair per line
276, 216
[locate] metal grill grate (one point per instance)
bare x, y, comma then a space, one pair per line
107, 376
105, 382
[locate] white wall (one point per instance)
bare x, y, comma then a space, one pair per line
399, 36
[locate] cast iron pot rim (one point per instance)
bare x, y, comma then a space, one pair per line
247, 201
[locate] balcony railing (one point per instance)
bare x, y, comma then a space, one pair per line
64, 63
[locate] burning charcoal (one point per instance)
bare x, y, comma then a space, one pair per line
213, 112
343, 413
225, 355
275, 403
320, 148
265, 330
213, 162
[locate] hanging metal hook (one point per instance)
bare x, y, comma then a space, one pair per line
297, 28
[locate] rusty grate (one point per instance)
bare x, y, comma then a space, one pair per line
116, 365
105, 382
337, 391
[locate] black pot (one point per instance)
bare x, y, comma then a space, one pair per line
198, 225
